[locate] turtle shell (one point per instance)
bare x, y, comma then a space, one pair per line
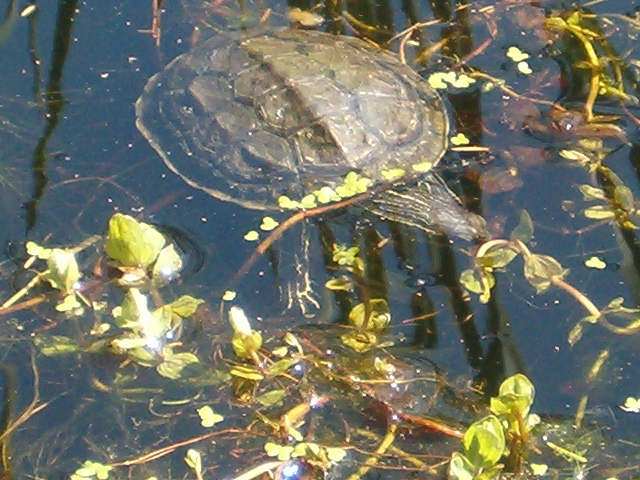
250, 118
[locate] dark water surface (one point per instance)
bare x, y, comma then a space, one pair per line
71, 156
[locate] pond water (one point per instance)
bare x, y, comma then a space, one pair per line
71, 157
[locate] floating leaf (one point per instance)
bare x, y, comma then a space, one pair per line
239, 321
144, 357
282, 366
517, 55
245, 346
624, 197
283, 453
631, 405
248, 373
599, 212
463, 81
471, 281
422, 167
132, 243
35, 250
272, 398
268, 224
460, 139
63, 270
437, 81
345, 256
286, 203
168, 265
575, 156
69, 304
54, 345
193, 460
524, 68
339, 284
229, 296
208, 418
360, 341
327, 195
393, 174
539, 469
174, 365
595, 262
461, 468
575, 335
498, 257
524, 229
91, 469
308, 201
484, 442
336, 454
592, 193
185, 306
379, 317
251, 236
541, 270
515, 397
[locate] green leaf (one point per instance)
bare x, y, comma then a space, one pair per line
484, 442
575, 334
336, 454
539, 469
251, 236
592, 193
524, 230
248, 373
461, 468
517, 55
143, 357
194, 461
541, 270
599, 212
54, 345
518, 384
493, 473
69, 304
283, 453
174, 366
631, 405
35, 250
471, 281
272, 398
344, 255
208, 418
129, 343
168, 265
229, 296
498, 257
339, 284
63, 270
379, 316
624, 197
268, 224
286, 203
595, 262
281, 366
239, 321
186, 306
132, 243
360, 341
245, 346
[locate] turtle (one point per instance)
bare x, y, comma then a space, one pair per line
291, 118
